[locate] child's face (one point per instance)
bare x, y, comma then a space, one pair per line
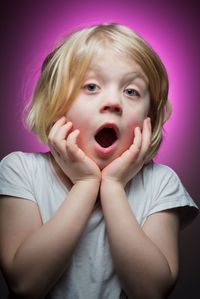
113, 96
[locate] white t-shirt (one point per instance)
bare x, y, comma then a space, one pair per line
91, 274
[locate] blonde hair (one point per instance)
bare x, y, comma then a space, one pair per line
64, 68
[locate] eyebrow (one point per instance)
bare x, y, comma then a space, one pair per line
135, 75
132, 75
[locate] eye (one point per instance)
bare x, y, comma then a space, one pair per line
91, 87
131, 92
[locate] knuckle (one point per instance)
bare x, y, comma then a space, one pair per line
56, 142
148, 145
50, 138
69, 147
138, 148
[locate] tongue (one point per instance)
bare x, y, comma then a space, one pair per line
106, 137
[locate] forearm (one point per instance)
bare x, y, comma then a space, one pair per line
142, 268
44, 256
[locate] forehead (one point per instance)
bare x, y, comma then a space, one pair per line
109, 63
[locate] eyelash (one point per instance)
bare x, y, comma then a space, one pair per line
136, 93
90, 84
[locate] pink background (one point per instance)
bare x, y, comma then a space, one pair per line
30, 31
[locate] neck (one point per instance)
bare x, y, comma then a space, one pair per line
60, 173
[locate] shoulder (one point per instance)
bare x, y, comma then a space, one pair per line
22, 160
21, 167
154, 177
14, 162
167, 191
21, 173
165, 182
159, 170
161, 176
24, 165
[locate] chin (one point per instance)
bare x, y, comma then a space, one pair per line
103, 163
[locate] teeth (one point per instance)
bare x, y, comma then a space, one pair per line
106, 136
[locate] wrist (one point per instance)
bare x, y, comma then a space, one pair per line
111, 192
111, 186
89, 183
111, 183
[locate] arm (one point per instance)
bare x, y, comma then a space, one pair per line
34, 256
145, 259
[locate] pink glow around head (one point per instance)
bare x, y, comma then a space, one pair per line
37, 28
29, 32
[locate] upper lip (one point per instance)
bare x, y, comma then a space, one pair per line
108, 125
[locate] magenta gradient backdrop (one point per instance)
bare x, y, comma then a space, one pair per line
30, 30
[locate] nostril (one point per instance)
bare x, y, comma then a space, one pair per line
118, 109
113, 108
106, 108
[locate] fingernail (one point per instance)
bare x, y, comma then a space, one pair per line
77, 131
69, 123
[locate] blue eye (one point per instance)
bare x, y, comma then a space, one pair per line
131, 92
90, 87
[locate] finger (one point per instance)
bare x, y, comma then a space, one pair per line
57, 140
58, 132
137, 141
65, 147
134, 150
63, 132
59, 123
146, 138
71, 146
54, 152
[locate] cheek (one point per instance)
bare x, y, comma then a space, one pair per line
80, 121
136, 117
82, 125
133, 122
78, 118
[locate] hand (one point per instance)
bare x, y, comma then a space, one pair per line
125, 167
71, 159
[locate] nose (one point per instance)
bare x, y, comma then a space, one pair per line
111, 105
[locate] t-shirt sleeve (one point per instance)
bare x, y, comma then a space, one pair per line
169, 192
15, 176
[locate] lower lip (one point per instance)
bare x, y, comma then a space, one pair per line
104, 151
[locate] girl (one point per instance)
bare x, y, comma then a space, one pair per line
95, 217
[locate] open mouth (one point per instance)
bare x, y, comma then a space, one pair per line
106, 136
